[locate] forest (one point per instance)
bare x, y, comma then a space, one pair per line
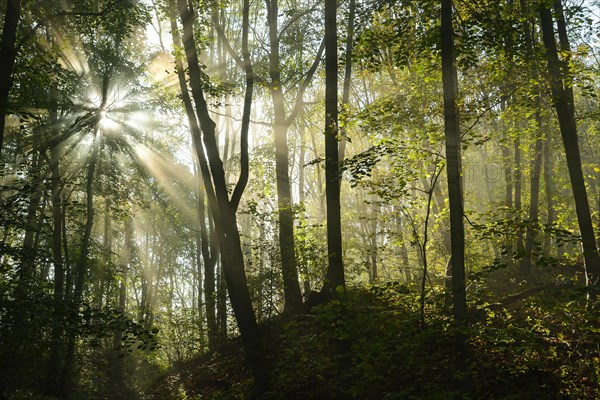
299, 199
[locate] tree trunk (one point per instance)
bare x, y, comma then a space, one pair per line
202, 258
65, 245
508, 182
334, 279
526, 262
224, 210
568, 129
549, 188
455, 197
289, 267
32, 223
8, 54
52, 383
403, 248
209, 247
518, 196
373, 239
210, 251
221, 303
82, 263
347, 76
565, 48
262, 261
115, 372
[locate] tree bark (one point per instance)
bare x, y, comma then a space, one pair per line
209, 259
222, 208
508, 181
347, 76
82, 263
453, 168
52, 375
568, 129
518, 181
289, 267
32, 223
526, 262
115, 372
209, 247
335, 278
375, 209
549, 188
8, 54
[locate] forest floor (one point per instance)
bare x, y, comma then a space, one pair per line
371, 343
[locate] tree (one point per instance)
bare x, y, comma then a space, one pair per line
222, 207
453, 169
564, 105
334, 278
289, 268
208, 247
8, 53
282, 120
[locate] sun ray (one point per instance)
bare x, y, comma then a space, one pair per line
161, 71
167, 174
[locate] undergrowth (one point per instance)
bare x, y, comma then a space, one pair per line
371, 344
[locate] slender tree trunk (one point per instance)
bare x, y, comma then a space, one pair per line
8, 53
549, 188
335, 271
403, 248
565, 48
455, 196
289, 267
526, 262
375, 208
508, 182
508, 179
302, 196
518, 196
65, 245
301, 162
347, 76
201, 261
106, 249
568, 128
261, 261
224, 210
144, 277
52, 382
423, 252
155, 277
508, 243
221, 301
210, 256
82, 263
209, 246
115, 372
85, 242
32, 223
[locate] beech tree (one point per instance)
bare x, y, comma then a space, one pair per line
454, 171
8, 53
334, 278
222, 207
562, 96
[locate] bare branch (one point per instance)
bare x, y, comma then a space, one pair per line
236, 57
309, 75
